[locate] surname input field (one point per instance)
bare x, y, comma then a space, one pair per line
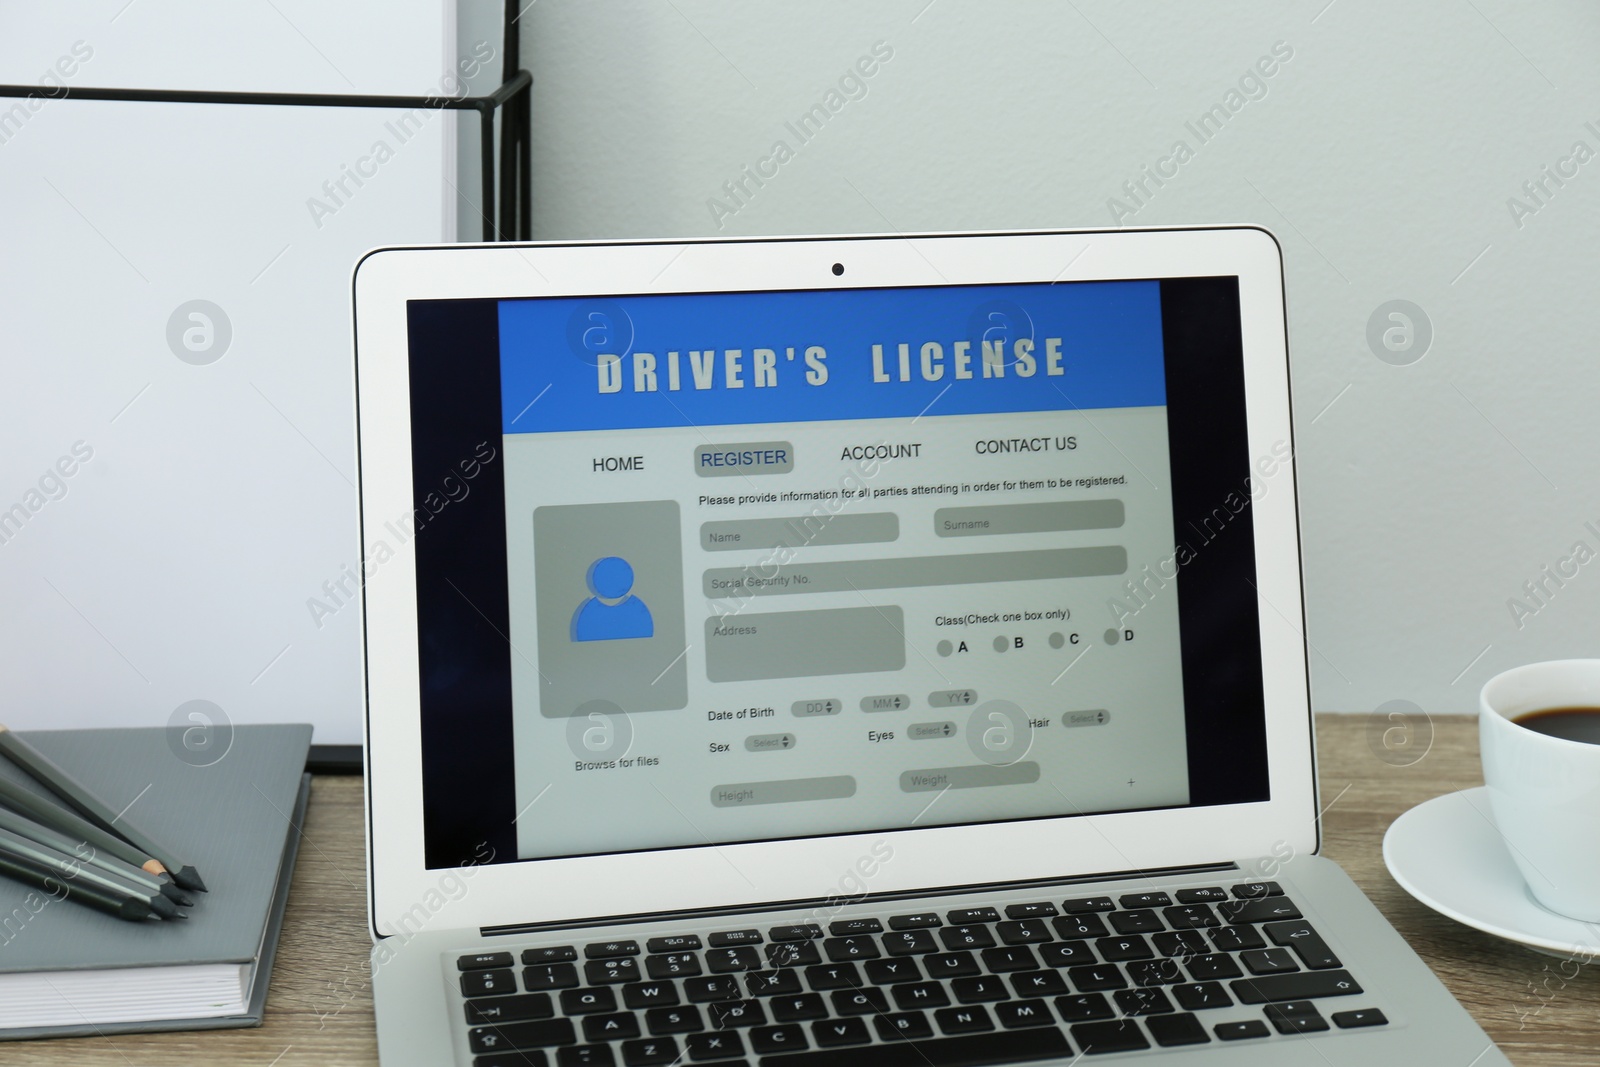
1059, 516
970, 568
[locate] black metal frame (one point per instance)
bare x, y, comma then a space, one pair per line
513, 99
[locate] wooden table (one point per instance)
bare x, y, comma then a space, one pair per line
319, 1011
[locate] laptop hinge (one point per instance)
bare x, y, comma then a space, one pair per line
835, 903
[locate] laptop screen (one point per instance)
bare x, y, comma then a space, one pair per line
722, 567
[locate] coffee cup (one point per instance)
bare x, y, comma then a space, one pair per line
1544, 778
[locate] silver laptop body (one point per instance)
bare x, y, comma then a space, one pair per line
850, 651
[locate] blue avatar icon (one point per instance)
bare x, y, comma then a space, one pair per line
613, 613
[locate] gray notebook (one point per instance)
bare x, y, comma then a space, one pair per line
68, 969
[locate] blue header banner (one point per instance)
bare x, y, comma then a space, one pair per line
717, 359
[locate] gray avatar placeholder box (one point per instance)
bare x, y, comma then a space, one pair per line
635, 673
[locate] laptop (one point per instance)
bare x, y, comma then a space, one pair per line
848, 652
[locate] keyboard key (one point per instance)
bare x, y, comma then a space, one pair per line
1080, 905
1268, 961
793, 954
585, 1056
1123, 948
680, 943
1240, 1031
587, 1001
1136, 922
1181, 943
921, 995
833, 976
799, 1008
980, 988
550, 976
844, 949
1093, 979
1142, 1001
1042, 910
1023, 932
860, 1002
1297, 1017
482, 960
610, 1027
1209, 895
650, 1052
1038, 984
892, 972
1145, 900
1212, 965
1122, 1035
1183, 1029
950, 965
903, 1026
766, 1040
959, 938
605, 950
1346, 1020
1202, 995
1154, 972
1084, 1007
1266, 909
798, 932
489, 983
852, 927
1304, 984
525, 1058
1237, 938
1254, 890
509, 1009
1191, 917
720, 1045
673, 965
969, 1020
728, 1015
521, 1036
612, 972
684, 1020
980, 1050
714, 988
1298, 935
729, 960
1020, 1013
649, 995
1071, 926
772, 983
1067, 954
730, 938
909, 943
915, 921
967, 916
833, 1033
1006, 960
556, 954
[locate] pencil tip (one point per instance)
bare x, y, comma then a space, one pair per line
189, 878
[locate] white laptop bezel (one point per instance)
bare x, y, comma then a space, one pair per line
404, 894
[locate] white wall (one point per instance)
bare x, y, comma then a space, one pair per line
1383, 154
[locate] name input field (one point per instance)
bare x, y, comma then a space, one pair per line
973, 568
801, 531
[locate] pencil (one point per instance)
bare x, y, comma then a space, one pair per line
69, 868
23, 826
47, 773
60, 819
123, 907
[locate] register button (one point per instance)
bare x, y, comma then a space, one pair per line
746, 458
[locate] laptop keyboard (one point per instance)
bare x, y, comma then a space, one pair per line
956, 988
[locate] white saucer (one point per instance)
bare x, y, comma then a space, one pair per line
1448, 854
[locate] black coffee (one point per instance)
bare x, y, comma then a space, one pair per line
1570, 724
